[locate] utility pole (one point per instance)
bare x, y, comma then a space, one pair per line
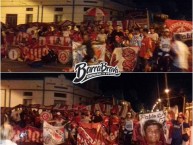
184, 103
73, 9
167, 90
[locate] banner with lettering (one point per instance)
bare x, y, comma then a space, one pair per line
95, 134
157, 116
176, 26
53, 135
124, 58
27, 134
185, 35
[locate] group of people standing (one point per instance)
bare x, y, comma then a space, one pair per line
131, 131
157, 51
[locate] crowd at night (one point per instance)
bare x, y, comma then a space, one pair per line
96, 72
157, 48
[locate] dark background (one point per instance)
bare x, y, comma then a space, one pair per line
176, 9
141, 89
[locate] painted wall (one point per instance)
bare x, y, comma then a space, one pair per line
12, 91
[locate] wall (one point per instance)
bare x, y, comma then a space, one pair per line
12, 91
43, 11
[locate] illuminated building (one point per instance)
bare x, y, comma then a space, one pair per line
16, 12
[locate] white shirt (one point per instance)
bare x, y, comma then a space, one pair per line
182, 53
7, 142
101, 37
129, 125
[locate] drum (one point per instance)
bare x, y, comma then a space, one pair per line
46, 116
14, 53
64, 56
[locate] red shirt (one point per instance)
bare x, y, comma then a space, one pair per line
93, 36
146, 45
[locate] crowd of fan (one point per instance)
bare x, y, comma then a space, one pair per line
129, 127
158, 51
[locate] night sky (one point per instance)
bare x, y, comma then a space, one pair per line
138, 88
176, 9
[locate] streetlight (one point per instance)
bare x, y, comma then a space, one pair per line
168, 97
167, 91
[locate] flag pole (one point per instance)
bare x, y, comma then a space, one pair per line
147, 17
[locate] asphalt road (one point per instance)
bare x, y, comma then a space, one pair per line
8, 65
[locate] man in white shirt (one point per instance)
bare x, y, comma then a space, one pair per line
181, 52
128, 132
164, 51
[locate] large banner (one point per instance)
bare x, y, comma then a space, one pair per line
27, 134
95, 134
176, 26
157, 116
124, 58
53, 135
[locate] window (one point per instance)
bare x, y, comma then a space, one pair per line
27, 93
61, 102
59, 9
11, 20
60, 95
29, 9
86, 8
27, 101
90, 2
58, 18
29, 18
59, 87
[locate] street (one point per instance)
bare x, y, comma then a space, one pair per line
8, 65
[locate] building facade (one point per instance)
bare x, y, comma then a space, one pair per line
48, 91
14, 12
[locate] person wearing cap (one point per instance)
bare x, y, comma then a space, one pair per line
128, 129
180, 130
164, 60
58, 120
